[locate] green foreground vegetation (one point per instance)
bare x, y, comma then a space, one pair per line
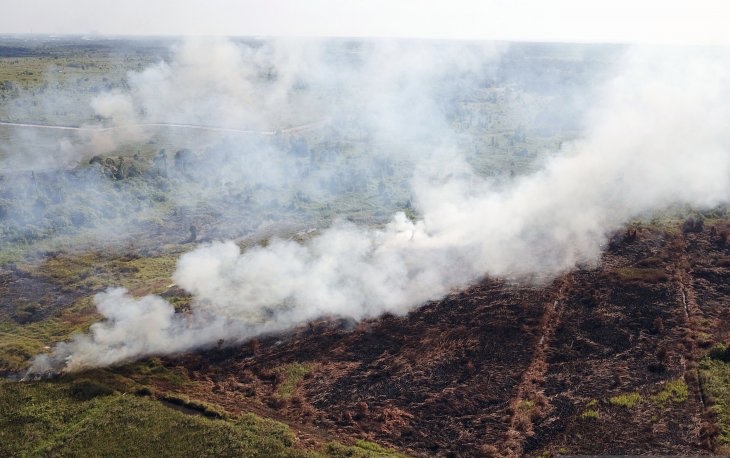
78, 418
715, 374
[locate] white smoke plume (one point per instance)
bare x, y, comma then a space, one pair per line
656, 135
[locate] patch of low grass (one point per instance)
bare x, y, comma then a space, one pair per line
715, 374
16, 350
85, 389
20, 341
719, 352
648, 275
151, 370
674, 391
292, 375
628, 400
361, 449
591, 411
43, 419
525, 405
204, 408
46, 418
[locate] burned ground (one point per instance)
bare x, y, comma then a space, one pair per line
507, 369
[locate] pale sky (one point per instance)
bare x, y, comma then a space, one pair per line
668, 21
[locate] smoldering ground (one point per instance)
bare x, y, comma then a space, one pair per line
653, 136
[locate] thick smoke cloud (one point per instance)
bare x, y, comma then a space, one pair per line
656, 135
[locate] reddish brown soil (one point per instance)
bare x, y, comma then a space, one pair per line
505, 369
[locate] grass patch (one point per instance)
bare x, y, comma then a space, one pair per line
628, 400
361, 449
151, 370
87, 273
591, 412
292, 375
205, 409
715, 375
19, 343
719, 353
642, 274
525, 405
43, 419
675, 391
85, 390
46, 418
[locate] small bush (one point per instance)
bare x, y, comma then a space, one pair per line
590, 414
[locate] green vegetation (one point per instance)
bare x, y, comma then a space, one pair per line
62, 417
42, 418
720, 352
591, 411
526, 405
20, 342
715, 374
82, 276
642, 274
204, 408
673, 391
151, 370
361, 449
292, 375
85, 390
627, 400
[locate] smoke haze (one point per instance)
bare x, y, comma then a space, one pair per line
655, 135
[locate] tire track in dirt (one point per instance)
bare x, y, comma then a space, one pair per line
530, 401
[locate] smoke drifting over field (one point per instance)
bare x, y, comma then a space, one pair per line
656, 135
275, 125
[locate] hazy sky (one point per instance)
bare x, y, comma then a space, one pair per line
668, 21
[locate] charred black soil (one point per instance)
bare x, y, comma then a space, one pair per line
601, 360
